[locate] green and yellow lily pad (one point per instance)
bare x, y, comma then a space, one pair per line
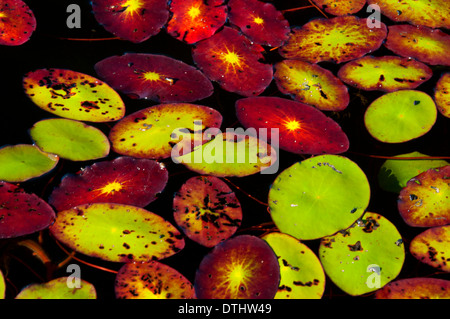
2, 286
441, 94
340, 7
415, 288
59, 288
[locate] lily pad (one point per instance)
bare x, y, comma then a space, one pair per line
234, 62
441, 94
318, 196
364, 257
431, 247
154, 77
151, 280
124, 180
22, 162
427, 45
302, 275
22, 213
385, 73
2, 286
260, 21
117, 232
302, 129
311, 84
17, 22
415, 288
73, 95
425, 201
70, 139
339, 39
340, 7
400, 116
207, 210
58, 289
243, 267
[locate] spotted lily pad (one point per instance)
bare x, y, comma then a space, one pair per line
340, 7
154, 77
21, 162
302, 275
117, 232
441, 94
58, 289
318, 196
339, 39
400, 116
73, 95
233, 61
385, 73
311, 84
17, 22
207, 210
424, 44
425, 201
152, 280
415, 288
243, 267
364, 257
124, 180
2, 286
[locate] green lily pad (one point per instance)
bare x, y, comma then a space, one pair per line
441, 94
70, 139
117, 232
21, 162
2, 286
400, 116
302, 275
415, 288
58, 289
364, 257
318, 196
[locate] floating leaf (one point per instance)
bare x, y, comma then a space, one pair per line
302, 129
400, 116
415, 288
132, 20
2, 286
73, 95
17, 22
260, 21
70, 139
302, 275
339, 39
364, 257
311, 84
59, 288
441, 94
155, 77
116, 232
233, 61
151, 280
22, 213
207, 210
424, 44
243, 267
21, 162
425, 201
340, 7
385, 73
318, 196
431, 247
125, 180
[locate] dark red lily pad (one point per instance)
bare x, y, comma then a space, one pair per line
17, 22
260, 21
207, 210
125, 180
415, 288
195, 20
303, 129
243, 267
233, 61
441, 94
339, 7
132, 20
22, 213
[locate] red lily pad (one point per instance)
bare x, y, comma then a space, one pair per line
260, 21
425, 201
125, 180
207, 210
441, 94
303, 129
415, 288
339, 39
243, 267
154, 77
311, 84
233, 61
132, 20
17, 22
22, 213
427, 45
340, 7
195, 20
